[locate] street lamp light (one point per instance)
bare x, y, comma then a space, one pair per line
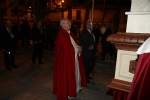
62, 4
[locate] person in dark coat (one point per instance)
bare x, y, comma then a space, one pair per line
38, 40
25, 33
105, 31
87, 41
96, 31
8, 45
49, 37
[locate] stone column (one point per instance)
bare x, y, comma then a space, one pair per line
139, 17
138, 22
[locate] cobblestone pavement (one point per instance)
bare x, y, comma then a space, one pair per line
35, 82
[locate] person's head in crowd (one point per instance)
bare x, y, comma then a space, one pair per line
39, 23
88, 25
108, 26
8, 24
96, 25
48, 21
65, 24
25, 22
103, 29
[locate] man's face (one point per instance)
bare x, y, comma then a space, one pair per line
67, 25
40, 23
88, 26
8, 24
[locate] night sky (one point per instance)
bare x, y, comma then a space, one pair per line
81, 1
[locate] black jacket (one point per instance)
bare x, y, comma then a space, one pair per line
6, 41
36, 34
86, 40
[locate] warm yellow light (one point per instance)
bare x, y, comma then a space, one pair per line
63, 1
29, 7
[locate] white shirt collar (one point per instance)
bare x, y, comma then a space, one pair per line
68, 31
89, 30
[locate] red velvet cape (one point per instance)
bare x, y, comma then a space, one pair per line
140, 88
64, 80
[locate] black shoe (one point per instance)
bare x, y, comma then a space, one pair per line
8, 68
33, 62
88, 81
15, 66
40, 63
80, 90
90, 77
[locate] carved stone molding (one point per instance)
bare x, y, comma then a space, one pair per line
128, 41
127, 44
122, 65
137, 13
120, 85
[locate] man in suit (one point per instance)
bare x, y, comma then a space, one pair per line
8, 45
87, 41
25, 33
38, 38
106, 31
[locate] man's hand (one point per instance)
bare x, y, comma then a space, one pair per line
37, 42
91, 47
79, 48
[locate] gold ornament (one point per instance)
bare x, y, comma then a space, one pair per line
11, 35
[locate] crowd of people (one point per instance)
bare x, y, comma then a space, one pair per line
74, 59
42, 33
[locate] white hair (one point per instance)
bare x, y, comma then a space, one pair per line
103, 29
62, 21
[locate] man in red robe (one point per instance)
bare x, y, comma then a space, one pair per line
69, 72
141, 82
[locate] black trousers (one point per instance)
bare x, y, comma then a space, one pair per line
9, 59
49, 42
25, 39
103, 51
88, 65
38, 51
22, 40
